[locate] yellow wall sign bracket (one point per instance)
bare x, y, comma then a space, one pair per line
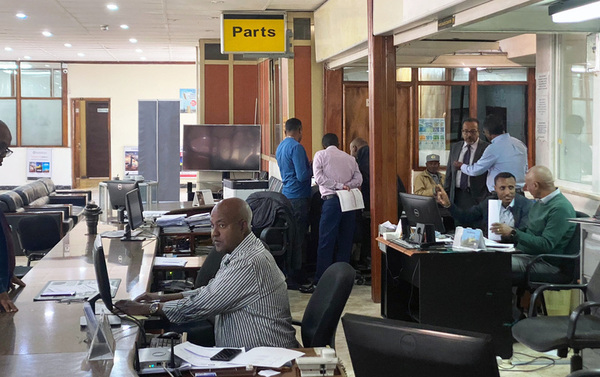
253, 33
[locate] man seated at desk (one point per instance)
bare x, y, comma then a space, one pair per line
548, 231
514, 211
248, 295
427, 181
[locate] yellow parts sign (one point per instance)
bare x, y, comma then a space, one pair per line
253, 33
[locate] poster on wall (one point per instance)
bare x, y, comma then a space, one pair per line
187, 100
542, 99
131, 161
432, 134
39, 163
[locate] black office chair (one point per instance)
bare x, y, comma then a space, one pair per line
569, 272
38, 234
578, 331
585, 373
325, 307
273, 222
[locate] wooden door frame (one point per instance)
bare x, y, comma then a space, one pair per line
76, 125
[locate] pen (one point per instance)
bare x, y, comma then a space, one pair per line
57, 294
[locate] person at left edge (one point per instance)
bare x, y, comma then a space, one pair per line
248, 296
295, 174
7, 252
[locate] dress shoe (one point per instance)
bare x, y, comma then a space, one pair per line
307, 288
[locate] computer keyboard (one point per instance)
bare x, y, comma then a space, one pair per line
405, 244
163, 342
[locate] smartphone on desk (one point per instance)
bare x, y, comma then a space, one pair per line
226, 354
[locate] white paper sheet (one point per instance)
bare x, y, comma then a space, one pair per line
200, 356
493, 217
350, 200
269, 357
164, 261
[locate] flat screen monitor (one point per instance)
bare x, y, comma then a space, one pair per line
221, 147
422, 209
102, 279
135, 214
390, 348
117, 191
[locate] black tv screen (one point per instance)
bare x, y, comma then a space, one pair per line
221, 147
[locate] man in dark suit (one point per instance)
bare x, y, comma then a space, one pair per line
514, 210
465, 191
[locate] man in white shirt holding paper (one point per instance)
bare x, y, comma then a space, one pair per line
334, 170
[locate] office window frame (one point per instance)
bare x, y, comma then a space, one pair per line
18, 98
473, 84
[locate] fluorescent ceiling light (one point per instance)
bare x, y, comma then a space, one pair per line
46, 33
112, 6
138, 50
80, 54
566, 11
21, 15
27, 57
8, 48
132, 40
125, 27
68, 45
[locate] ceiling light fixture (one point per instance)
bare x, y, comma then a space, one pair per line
132, 40
124, 27
112, 6
21, 15
68, 45
27, 57
46, 33
80, 54
138, 50
143, 58
564, 11
8, 48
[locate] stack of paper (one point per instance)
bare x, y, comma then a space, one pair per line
170, 220
164, 261
201, 220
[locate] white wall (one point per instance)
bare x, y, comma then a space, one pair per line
125, 85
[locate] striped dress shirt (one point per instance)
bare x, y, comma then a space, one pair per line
248, 298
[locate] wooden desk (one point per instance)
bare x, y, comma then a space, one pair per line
45, 336
461, 290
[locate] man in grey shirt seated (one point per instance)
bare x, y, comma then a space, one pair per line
248, 295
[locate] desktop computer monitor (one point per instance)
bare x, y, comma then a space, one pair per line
102, 279
117, 191
422, 209
135, 214
389, 348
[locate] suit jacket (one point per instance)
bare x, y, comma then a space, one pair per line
478, 183
477, 216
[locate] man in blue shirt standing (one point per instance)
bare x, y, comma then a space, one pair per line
295, 174
505, 154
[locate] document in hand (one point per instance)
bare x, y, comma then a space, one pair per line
493, 217
350, 200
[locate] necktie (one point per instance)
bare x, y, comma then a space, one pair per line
464, 179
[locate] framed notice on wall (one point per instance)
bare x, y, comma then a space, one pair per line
39, 163
131, 161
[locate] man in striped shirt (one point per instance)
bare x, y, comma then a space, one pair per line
248, 295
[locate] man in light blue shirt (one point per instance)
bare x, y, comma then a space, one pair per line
295, 174
505, 154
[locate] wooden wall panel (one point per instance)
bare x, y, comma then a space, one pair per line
216, 94
356, 114
264, 115
404, 135
245, 93
303, 94
333, 101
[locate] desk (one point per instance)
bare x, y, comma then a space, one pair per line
44, 337
462, 290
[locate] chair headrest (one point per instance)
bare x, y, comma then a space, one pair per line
12, 201
49, 184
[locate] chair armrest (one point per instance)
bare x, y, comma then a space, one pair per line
274, 235
574, 317
295, 322
88, 193
64, 208
543, 257
74, 199
552, 287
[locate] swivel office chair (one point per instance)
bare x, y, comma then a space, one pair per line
38, 234
325, 307
578, 331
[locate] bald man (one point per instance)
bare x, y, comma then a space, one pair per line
548, 231
248, 295
7, 253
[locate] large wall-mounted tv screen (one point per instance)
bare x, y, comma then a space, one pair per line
221, 147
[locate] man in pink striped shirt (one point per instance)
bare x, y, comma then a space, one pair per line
334, 170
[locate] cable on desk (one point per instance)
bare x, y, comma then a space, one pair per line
137, 322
